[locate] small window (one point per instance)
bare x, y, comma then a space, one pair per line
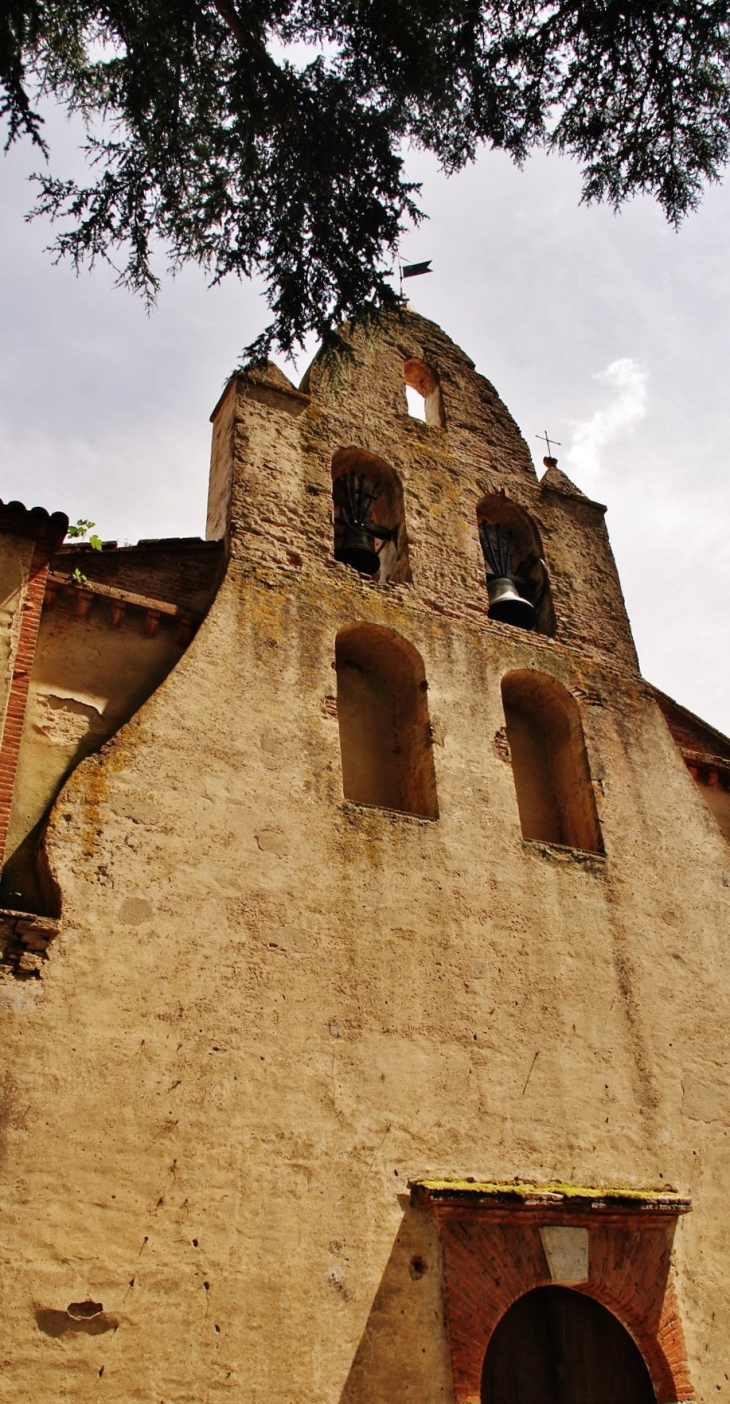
416, 403
549, 762
369, 520
423, 392
385, 736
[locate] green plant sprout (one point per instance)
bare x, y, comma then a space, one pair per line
76, 532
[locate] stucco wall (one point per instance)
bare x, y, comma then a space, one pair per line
268, 1009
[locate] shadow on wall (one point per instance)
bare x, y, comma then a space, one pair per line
403, 1355
88, 1318
549, 1344
385, 733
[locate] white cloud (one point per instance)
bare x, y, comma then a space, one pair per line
625, 407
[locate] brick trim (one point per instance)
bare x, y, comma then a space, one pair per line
31, 607
490, 1260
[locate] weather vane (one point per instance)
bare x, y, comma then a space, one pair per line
549, 460
412, 270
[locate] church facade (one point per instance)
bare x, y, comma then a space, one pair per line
364, 932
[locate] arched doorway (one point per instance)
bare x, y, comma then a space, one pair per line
558, 1346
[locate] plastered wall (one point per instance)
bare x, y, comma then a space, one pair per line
268, 1009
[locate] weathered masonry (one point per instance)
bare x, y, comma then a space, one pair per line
364, 933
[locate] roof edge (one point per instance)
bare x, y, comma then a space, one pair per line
665, 701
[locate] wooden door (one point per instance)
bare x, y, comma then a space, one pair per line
558, 1346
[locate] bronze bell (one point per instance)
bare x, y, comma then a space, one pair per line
505, 601
355, 496
507, 605
356, 549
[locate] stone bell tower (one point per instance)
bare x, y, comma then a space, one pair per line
381, 1050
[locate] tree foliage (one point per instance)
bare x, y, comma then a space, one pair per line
267, 137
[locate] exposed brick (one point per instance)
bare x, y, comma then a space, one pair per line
18, 696
488, 1265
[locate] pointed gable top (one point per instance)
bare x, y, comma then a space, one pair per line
557, 481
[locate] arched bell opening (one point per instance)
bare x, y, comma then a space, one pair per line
423, 392
518, 583
556, 1345
382, 709
552, 779
369, 520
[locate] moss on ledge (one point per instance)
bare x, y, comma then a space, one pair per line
553, 1193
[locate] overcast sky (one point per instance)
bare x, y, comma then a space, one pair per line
611, 332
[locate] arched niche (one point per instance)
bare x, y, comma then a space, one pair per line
424, 382
386, 510
556, 1345
382, 709
506, 522
549, 762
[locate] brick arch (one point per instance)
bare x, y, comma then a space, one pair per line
493, 1257
662, 1346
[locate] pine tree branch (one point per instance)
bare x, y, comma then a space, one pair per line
258, 50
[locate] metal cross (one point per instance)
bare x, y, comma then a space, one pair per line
548, 441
